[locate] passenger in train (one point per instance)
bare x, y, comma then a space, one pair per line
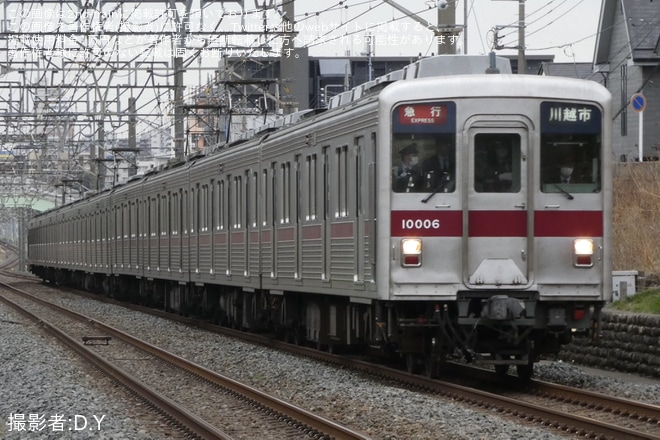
407, 175
485, 178
502, 166
441, 167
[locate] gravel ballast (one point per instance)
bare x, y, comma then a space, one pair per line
49, 393
40, 377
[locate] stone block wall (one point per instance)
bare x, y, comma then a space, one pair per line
629, 343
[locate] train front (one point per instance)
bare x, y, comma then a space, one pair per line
496, 229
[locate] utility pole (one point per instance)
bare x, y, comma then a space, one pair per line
465, 27
446, 31
294, 65
178, 50
369, 44
522, 65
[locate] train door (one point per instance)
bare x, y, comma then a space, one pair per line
496, 237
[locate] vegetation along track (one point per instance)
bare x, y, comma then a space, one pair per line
206, 404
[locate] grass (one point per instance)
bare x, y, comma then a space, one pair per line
636, 230
636, 217
647, 301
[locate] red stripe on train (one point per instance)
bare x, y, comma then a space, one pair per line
312, 232
496, 224
427, 224
284, 234
254, 237
238, 237
341, 230
568, 223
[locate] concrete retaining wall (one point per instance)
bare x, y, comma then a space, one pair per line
629, 343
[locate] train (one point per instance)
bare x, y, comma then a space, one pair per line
448, 210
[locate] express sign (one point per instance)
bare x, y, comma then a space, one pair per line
434, 117
423, 114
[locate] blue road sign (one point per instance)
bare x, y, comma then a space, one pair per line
638, 102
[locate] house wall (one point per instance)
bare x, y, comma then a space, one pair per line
626, 78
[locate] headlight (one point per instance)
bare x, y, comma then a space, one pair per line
583, 251
411, 252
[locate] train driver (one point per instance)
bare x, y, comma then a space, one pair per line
407, 175
503, 166
567, 171
441, 167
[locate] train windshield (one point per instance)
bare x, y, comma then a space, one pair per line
424, 148
570, 148
497, 162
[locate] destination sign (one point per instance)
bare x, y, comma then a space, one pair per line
567, 117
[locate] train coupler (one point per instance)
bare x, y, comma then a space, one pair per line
502, 308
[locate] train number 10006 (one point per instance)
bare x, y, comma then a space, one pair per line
420, 223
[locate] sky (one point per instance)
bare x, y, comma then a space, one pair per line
79, 43
564, 28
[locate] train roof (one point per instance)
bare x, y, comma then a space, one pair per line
439, 65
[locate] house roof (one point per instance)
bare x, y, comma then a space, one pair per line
569, 70
641, 19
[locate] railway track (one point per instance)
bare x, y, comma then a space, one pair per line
570, 410
177, 385
567, 410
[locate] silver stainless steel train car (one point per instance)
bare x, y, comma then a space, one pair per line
428, 213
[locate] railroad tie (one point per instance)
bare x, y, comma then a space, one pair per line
96, 340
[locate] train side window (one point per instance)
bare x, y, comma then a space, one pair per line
238, 202
194, 209
285, 192
342, 181
165, 216
275, 195
311, 165
254, 203
204, 209
176, 207
220, 206
184, 212
497, 163
153, 216
424, 163
115, 221
571, 163
571, 152
266, 197
327, 193
297, 203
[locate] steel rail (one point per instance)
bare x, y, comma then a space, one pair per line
615, 404
523, 409
190, 421
327, 428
